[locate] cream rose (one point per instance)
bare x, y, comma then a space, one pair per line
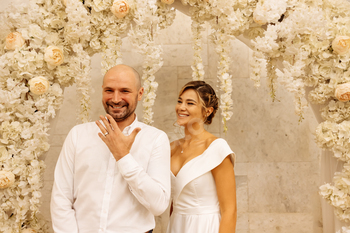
261, 20
28, 230
341, 45
120, 8
14, 40
39, 85
6, 179
171, 1
342, 92
64, 2
53, 56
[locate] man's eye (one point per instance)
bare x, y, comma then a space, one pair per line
179, 102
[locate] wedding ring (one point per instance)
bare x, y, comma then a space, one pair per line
105, 134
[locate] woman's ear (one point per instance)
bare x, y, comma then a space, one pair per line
208, 111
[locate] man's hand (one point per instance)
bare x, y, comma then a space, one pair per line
117, 142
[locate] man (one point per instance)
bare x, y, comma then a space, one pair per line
112, 175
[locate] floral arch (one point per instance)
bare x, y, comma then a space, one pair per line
47, 46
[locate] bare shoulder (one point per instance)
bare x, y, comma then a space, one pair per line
210, 138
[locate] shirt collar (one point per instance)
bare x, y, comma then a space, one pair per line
128, 129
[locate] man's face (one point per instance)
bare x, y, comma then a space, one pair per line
120, 94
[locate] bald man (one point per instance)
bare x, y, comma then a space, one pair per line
112, 175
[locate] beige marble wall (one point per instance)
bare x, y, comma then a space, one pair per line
277, 168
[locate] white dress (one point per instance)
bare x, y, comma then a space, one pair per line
195, 202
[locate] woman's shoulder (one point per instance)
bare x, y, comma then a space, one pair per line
210, 139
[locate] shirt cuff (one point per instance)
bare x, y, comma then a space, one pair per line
127, 164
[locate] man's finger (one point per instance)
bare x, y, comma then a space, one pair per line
113, 123
102, 128
106, 123
134, 133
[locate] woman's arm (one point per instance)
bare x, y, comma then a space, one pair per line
224, 176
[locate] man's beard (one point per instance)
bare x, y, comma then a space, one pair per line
118, 117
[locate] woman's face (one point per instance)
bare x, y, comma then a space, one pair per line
189, 109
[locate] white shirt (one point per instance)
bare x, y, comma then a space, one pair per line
93, 192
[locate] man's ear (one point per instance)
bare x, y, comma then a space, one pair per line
140, 93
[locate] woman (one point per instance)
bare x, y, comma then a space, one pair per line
203, 180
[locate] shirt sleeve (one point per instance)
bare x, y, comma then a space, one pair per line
152, 187
62, 211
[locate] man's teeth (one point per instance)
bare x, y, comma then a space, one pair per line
181, 115
115, 107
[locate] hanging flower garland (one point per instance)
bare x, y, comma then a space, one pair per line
197, 28
142, 37
225, 79
78, 34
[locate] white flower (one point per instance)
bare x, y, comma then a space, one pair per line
7, 179
120, 8
64, 2
168, 1
269, 11
39, 85
28, 230
53, 56
341, 45
4, 155
342, 92
100, 5
14, 40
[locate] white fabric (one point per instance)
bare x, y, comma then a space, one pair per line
195, 202
94, 193
330, 165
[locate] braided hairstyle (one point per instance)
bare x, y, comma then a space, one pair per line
206, 96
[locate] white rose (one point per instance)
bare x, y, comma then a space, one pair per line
259, 19
6, 179
171, 1
342, 92
341, 45
53, 56
28, 230
39, 85
14, 40
120, 8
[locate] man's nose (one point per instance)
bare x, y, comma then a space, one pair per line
116, 97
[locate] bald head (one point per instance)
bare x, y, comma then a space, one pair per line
125, 71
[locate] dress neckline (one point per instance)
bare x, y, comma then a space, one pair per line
193, 159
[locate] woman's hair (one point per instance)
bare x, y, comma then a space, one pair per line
206, 96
